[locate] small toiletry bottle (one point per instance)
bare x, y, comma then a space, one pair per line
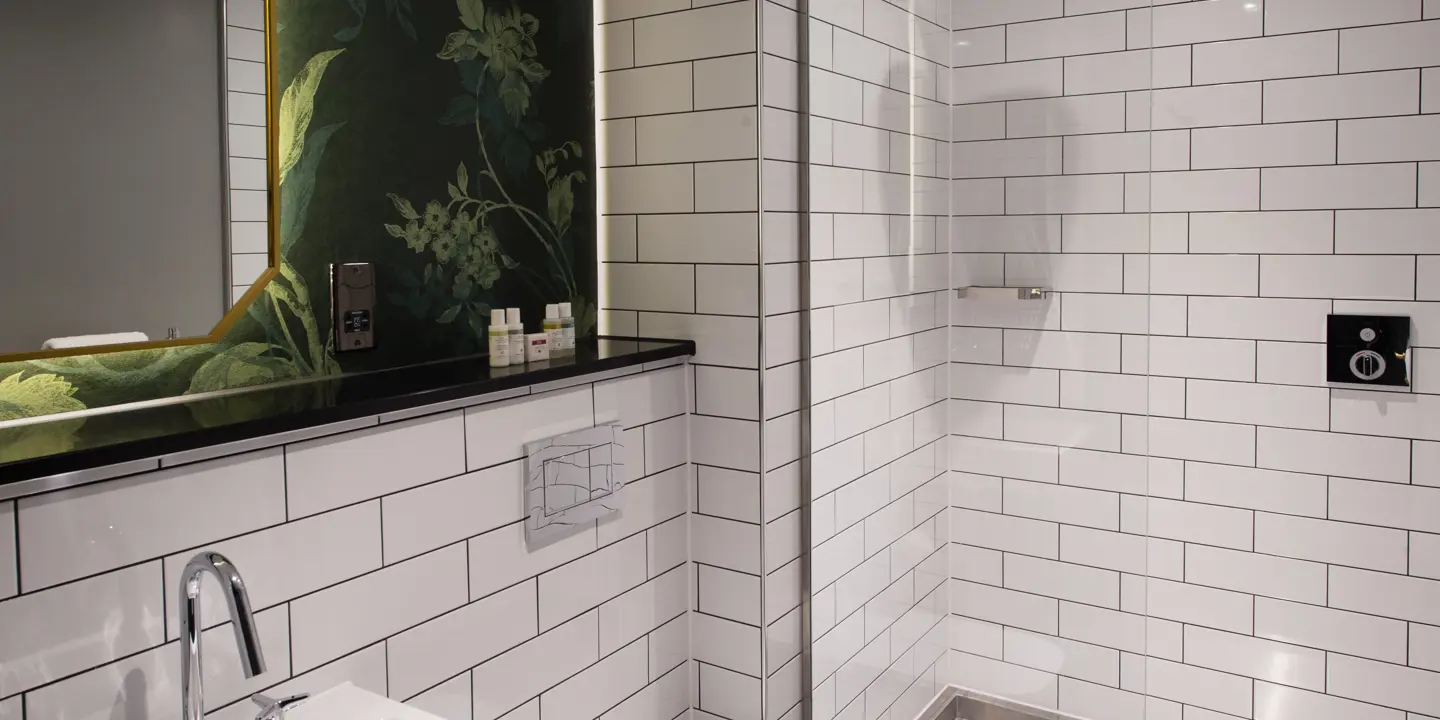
552, 327
517, 336
499, 340
537, 347
567, 324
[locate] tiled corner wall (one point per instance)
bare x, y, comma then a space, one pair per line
388, 552
683, 258
1199, 208
878, 272
249, 174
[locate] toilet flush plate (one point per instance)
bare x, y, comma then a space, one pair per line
347, 702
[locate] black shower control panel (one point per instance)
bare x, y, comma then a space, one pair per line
1368, 350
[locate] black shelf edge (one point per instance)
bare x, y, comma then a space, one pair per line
125, 434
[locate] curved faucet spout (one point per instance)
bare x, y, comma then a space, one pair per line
252, 660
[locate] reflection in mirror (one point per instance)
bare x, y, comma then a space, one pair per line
134, 203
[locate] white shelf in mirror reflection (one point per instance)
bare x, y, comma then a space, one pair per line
347, 702
996, 293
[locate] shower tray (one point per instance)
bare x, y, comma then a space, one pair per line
960, 704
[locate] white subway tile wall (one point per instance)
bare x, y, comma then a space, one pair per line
247, 146
414, 583
698, 168
879, 272
1292, 557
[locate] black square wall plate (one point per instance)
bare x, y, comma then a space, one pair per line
1368, 350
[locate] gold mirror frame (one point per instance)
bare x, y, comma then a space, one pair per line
272, 268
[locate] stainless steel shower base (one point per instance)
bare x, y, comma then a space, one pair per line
960, 704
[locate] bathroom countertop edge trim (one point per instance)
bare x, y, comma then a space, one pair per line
78, 467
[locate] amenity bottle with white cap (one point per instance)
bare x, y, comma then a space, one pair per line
567, 325
517, 336
499, 335
554, 333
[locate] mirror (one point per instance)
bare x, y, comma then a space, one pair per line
135, 203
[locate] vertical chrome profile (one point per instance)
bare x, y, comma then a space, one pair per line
802, 125
762, 361
227, 254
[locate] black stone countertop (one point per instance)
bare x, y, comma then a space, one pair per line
70, 444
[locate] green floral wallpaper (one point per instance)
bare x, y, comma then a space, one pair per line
449, 143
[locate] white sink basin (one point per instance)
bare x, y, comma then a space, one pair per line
347, 702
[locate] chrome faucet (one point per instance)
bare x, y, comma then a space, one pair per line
252, 660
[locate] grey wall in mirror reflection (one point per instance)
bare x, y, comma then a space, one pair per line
112, 184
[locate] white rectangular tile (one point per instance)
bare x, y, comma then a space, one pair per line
1080, 35
1259, 318
524, 672
1337, 543
1059, 503
1197, 107
1256, 404
1202, 358
82, 531
349, 616
151, 680
1197, 523
1384, 594
1063, 428
1375, 682
1307, 232
1389, 139
1062, 656
1065, 194
1006, 158
1208, 190
58, 632
441, 513
1003, 679
286, 561
981, 13
1375, 414
1263, 146
1204, 441
1267, 58
1278, 702
1255, 658
1327, 629
456, 641
1191, 685
1075, 115
1241, 487
1010, 81
1186, 23
1402, 45
1065, 581
1069, 272
1004, 459
1063, 350
1342, 96
600, 687
1198, 605
1343, 187
330, 472
577, 586
1288, 16
1256, 574
1333, 453
1387, 504
1006, 607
